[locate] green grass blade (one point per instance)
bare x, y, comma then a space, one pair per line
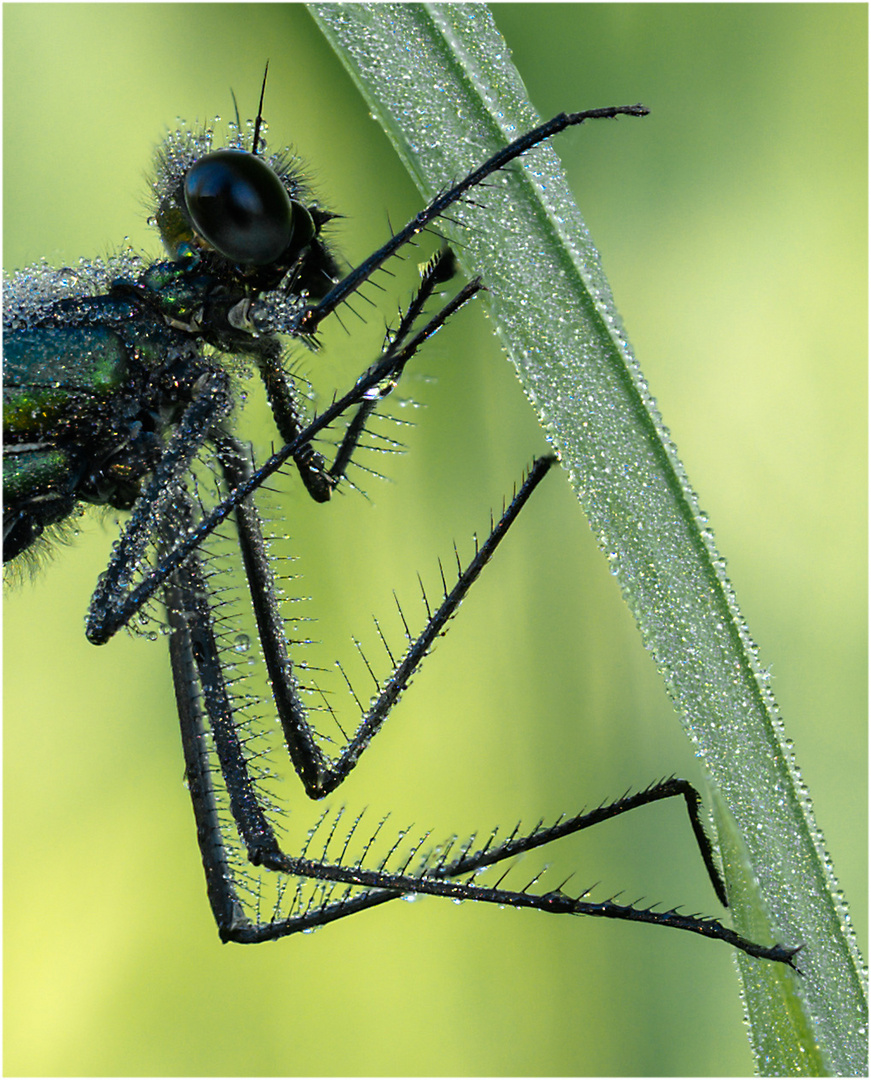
439, 79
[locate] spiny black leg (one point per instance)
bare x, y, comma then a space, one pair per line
663, 789
281, 394
436, 881
382, 374
311, 318
199, 677
392, 689
439, 270
203, 709
319, 775
226, 906
191, 616
556, 903
289, 420
284, 403
307, 757
114, 601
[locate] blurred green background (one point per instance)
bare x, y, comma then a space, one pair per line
733, 226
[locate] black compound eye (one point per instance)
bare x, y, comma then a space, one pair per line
239, 206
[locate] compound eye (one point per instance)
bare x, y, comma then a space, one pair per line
239, 206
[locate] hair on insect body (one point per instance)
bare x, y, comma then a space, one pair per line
119, 391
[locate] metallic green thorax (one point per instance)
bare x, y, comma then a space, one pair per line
55, 373
88, 390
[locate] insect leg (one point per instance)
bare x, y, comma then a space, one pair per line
308, 759
284, 403
205, 706
439, 270
202, 692
318, 773
115, 600
379, 380
320, 481
207, 728
435, 878
392, 689
226, 906
311, 317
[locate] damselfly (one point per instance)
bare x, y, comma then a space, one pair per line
120, 384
